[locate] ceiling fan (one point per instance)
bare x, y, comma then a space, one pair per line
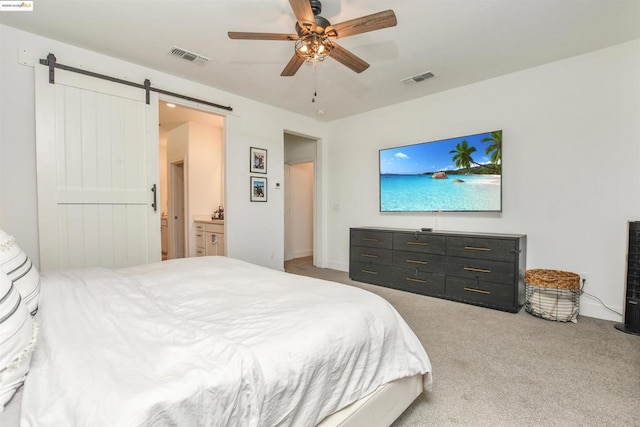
315, 34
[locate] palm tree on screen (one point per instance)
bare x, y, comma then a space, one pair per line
494, 150
462, 155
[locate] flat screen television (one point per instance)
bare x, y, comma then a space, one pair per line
462, 174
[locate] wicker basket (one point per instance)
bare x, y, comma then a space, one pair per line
556, 279
553, 294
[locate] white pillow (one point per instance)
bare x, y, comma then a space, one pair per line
15, 263
18, 336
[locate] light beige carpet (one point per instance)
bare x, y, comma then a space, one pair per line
493, 368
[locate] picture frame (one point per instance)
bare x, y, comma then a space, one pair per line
257, 160
258, 188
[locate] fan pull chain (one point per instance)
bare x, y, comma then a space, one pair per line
315, 82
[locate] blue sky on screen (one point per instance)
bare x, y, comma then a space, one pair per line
430, 156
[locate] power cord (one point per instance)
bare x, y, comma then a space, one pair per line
582, 291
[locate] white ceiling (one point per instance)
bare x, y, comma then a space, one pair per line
171, 117
460, 41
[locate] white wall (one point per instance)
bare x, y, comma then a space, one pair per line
254, 230
177, 143
571, 162
298, 149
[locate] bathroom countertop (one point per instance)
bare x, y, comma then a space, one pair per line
207, 219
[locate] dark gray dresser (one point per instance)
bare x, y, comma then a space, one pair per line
476, 268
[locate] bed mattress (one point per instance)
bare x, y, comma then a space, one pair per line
209, 341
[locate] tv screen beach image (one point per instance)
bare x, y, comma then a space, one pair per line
456, 174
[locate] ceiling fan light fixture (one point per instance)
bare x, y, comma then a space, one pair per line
315, 34
313, 47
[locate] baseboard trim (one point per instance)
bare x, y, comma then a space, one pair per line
301, 254
340, 266
592, 308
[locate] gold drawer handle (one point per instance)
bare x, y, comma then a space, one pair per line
479, 291
415, 261
368, 239
370, 255
411, 279
369, 272
417, 243
477, 270
475, 248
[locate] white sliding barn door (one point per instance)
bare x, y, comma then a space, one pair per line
97, 156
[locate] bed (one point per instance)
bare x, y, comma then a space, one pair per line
216, 341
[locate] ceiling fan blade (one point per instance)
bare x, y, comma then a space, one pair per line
375, 21
292, 67
261, 36
348, 59
304, 14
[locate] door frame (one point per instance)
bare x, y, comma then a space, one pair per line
177, 192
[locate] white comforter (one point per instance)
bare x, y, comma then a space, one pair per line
209, 342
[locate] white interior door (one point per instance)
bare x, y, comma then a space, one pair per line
97, 159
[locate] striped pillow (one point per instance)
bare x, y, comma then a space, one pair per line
561, 305
15, 263
18, 336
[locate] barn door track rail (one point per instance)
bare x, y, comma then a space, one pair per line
52, 63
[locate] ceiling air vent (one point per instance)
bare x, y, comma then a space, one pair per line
189, 56
418, 78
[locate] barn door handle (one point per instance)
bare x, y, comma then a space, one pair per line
154, 205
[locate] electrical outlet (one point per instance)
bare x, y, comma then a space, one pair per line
584, 278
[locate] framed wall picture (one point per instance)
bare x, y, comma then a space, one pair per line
258, 161
258, 189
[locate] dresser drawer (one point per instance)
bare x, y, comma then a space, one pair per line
476, 247
419, 261
482, 269
214, 228
419, 242
369, 255
200, 239
419, 282
371, 238
370, 273
484, 293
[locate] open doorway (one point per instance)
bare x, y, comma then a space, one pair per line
299, 198
192, 175
299, 195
